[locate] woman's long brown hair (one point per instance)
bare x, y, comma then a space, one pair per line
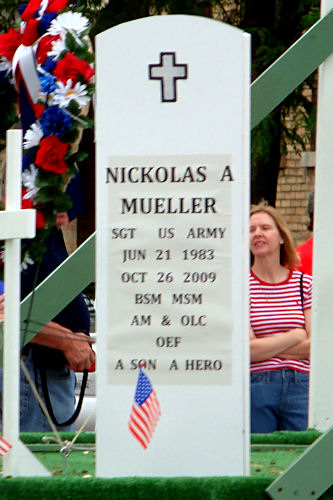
288, 255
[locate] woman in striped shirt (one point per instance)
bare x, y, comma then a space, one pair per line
280, 326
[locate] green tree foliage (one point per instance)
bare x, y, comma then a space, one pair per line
8, 97
274, 26
8, 14
8, 114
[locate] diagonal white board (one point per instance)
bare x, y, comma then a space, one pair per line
172, 136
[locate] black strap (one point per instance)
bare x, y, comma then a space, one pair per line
43, 378
42, 369
301, 289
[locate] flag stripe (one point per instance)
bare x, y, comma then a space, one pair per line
155, 404
143, 431
139, 431
136, 435
147, 416
151, 413
141, 423
148, 424
4, 446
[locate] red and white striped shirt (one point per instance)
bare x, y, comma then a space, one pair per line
276, 308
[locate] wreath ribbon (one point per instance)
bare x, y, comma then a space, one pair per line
25, 68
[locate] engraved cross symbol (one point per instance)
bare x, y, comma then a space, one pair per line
168, 72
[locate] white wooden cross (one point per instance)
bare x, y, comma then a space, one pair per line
15, 224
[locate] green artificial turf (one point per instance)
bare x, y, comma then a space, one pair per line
286, 437
264, 463
134, 488
77, 464
270, 463
74, 478
270, 453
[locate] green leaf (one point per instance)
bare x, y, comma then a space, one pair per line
71, 135
62, 202
74, 108
87, 122
78, 156
70, 42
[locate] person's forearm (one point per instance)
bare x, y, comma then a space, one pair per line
299, 351
76, 346
268, 347
53, 335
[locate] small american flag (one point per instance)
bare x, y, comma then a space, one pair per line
4, 446
145, 411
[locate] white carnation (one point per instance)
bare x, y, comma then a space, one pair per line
32, 136
29, 181
68, 22
57, 48
27, 261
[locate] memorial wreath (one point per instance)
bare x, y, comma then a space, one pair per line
49, 60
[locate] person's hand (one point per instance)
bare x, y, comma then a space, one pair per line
62, 219
75, 346
78, 352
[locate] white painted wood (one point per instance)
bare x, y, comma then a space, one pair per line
19, 461
19, 224
321, 396
201, 120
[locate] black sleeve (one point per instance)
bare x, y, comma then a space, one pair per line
75, 315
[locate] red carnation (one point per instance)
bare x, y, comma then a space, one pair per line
51, 155
28, 203
9, 42
55, 5
72, 67
38, 110
44, 46
40, 220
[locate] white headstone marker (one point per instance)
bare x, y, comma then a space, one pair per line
14, 225
172, 135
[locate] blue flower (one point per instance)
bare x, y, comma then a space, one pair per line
49, 64
54, 121
3, 76
26, 161
47, 83
45, 22
21, 8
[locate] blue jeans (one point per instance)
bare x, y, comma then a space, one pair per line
61, 387
279, 400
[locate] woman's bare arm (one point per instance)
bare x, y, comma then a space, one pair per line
268, 347
301, 350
